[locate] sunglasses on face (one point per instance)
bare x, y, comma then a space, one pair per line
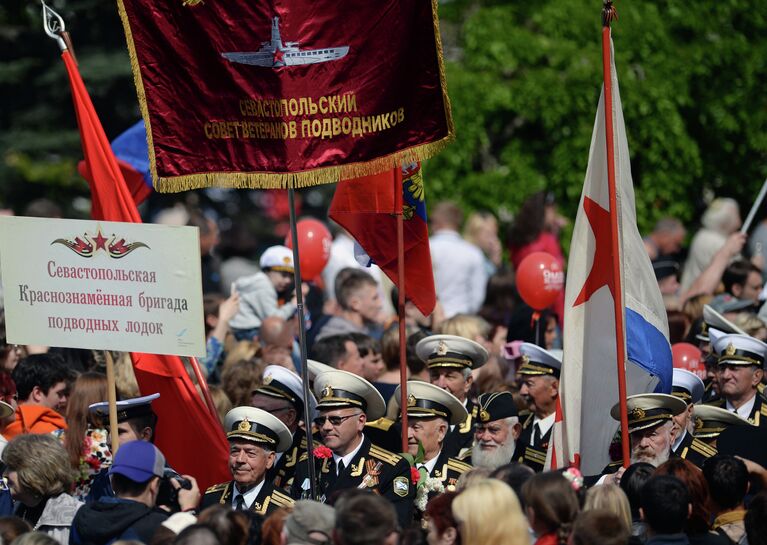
334, 420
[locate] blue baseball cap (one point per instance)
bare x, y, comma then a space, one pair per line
139, 461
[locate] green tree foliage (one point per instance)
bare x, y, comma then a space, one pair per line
524, 81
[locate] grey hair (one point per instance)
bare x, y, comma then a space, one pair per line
720, 215
467, 373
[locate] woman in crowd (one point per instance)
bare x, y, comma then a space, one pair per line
612, 498
86, 438
39, 476
697, 529
488, 513
443, 529
631, 483
552, 506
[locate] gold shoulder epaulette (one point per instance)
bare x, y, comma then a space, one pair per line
763, 409
382, 423
282, 500
216, 488
303, 442
464, 455
528, 420
384, 455
702, 448
457, 465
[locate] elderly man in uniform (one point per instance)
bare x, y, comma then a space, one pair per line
450, 360
349, 460
497, 430
430, 412
711, 421
282, 395
539, 373
255, 436
741, 361
650, 421
689, 388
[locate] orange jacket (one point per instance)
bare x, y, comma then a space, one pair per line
34, 419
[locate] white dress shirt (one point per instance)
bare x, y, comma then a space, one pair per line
744, 411
544, 424
349, 457
460, 276
429, 464
248, 497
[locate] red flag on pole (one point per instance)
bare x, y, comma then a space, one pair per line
188, 433
366, 208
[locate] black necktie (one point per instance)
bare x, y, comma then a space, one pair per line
239, 503
536, 435
341, 467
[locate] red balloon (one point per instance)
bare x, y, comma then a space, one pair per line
540, 279
314, 242
688, 357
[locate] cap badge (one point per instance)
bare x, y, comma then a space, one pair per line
698, 424
442, 348
484, 416
286, 260
637, 413
244, 425
525, 360
703, 327
327, 391
730, 350
411, 401
267, 379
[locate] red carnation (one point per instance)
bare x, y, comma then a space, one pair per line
415, 475
322, 452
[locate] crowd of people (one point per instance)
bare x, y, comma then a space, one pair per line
480, 401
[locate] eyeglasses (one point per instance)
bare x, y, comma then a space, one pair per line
334, 420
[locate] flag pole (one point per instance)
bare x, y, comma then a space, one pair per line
398, 211
302, 345
754, 208
608, 15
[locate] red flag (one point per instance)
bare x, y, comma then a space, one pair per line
365, 207
187, 433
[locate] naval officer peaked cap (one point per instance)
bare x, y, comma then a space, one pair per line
338, 389
257, 426
425, 400
537, 361
737, 349
282, 383
451, 351
687, 386
648, 410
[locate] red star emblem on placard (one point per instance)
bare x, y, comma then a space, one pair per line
602, 268
100, 241
278, 55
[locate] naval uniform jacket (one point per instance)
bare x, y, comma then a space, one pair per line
693, 450
447, 470
533, 456
458, 441
281, 473
758, 416
269, 499
372, 468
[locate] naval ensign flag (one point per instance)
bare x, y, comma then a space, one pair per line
589, 381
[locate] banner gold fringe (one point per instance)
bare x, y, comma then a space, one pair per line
285, 180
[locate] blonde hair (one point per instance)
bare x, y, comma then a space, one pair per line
467, 326
221, 401
472, 476
612, 498
488, 513
41, 463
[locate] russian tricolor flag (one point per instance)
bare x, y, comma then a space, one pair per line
589, 380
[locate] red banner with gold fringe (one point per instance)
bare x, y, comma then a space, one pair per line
264, 94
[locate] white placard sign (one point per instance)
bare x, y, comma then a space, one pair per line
102, 285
